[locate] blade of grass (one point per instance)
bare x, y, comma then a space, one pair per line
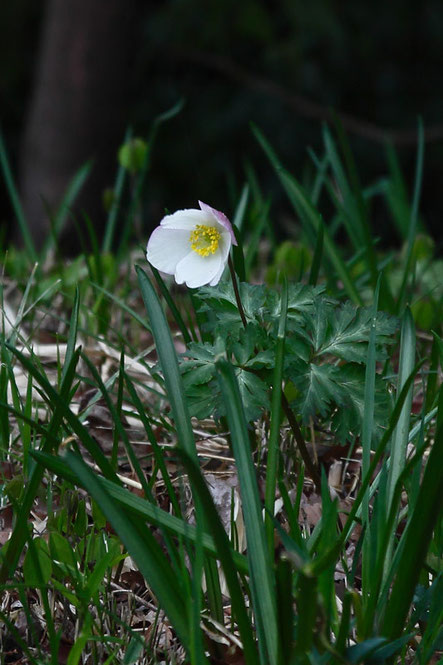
276, 410
230, 567
15, 202
19, 534
168, 361
367, 430
400, 438
310, 216
142, 546
72, 337
57, 401
262, 581
317, 258
240, 211
427, 512
172, 306
414, 217
141, 508
335, 549
72, 191
116, 200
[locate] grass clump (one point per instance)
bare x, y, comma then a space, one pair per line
243, 473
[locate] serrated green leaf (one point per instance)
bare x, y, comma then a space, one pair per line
318, 388
347, 420
203, 401
346, 333
221, 298
198, 374
254, 393
263, 359
243, 348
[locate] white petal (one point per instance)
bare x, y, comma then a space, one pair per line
197, 270
166, 248
221, 218
224, 247
186, 219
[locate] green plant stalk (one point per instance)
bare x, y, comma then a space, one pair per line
414, 215
114, 210
141, 508
286, 408
317, 258
401, 434
367, 429
325, 559
236, 291
285, 601
168, 360
381, 580
306, 615
141, 544
310, 217
172, 306
262, 580
226, 555
71, 193
428, 510
20, 531
274, 434
16, 204
177, 397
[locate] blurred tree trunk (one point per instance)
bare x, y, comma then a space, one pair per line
79, 107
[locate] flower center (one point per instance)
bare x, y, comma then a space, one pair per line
204, 239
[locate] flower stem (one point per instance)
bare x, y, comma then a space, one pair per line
236, 291
310, 466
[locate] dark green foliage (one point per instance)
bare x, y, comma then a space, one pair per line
325, 352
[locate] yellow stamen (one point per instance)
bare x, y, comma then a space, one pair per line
204, 239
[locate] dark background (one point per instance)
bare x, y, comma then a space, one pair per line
75, 73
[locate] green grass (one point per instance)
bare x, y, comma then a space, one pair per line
121, 549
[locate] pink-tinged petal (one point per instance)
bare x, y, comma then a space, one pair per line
220, 217
184, 219
167, 247
196, 270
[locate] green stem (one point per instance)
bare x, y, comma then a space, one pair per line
236, 291
310, 466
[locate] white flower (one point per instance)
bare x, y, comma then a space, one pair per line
193, 245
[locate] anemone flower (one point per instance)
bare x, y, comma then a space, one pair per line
193, 245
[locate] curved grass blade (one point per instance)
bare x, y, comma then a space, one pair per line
172, 306
141, 508
325, 559
401, 434
225, 552
309, 215
142, 546
276, 409
428, 510
20, 531
15, 202
168, 360
262, 580
69, 197
115, 206
316, 260
414, 216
